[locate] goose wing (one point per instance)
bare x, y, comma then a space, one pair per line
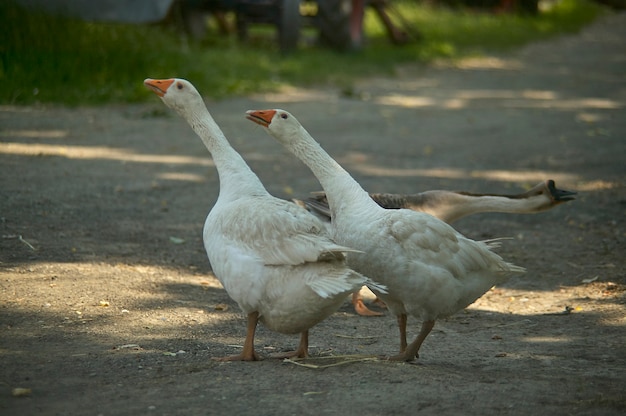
434, 242
281, 233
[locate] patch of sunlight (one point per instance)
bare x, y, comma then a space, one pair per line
354, 157
505, 98
552, 339
454, 104
488, 63
97, 152
590, 117
208, 280
179, 176
565, 104
408, 101
259, 157
35, 134
463, 98
597, 185
512, 176
297, 95
500, 94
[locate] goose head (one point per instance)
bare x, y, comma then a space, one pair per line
282, 125
178, 94
557, 195
544, 196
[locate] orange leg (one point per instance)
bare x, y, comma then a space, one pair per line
303, 348
301, 352
410, 352
360, 307
402, 326
248, 353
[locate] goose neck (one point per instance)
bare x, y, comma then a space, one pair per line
235, 175
341, 189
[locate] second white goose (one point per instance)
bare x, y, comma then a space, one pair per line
430, 270
450, 206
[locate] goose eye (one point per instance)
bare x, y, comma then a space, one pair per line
179, 86
284, 116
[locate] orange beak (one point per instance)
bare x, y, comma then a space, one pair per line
159, 86
262, 117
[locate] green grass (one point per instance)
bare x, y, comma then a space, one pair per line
47, 59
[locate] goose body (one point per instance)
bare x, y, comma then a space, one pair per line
273, 258
429, 269
450, 206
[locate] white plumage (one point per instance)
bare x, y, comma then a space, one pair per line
273, 258
450, 206
430, 270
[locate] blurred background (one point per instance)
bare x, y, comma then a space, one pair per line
72, 52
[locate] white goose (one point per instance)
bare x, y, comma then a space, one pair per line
450, 206
430, 270
273, 258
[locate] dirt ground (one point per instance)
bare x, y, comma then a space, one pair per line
108, 305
